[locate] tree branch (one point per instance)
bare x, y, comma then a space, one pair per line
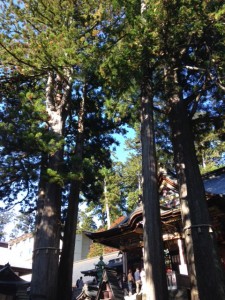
18, 59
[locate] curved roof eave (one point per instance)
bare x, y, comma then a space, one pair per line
129, 225
214, 183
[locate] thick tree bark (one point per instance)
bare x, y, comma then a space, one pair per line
46, 239
206, 275
153, 245
69, 238
67, 256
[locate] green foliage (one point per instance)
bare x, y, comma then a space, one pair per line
86, 221
132, 174
59, 36
23, 223
96, 249
22, 139
111, 195
210, 142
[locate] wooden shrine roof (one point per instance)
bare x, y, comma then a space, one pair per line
128, 233
10, 281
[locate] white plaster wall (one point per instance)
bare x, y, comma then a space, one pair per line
82, 247
22, 248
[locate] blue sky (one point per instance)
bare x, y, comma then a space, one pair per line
121, 153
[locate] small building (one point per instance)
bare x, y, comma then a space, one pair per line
19, 266
11, 285
19, 251
22, 246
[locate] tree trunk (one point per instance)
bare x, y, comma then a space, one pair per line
48, 219
46, 240
69, 238
153, 245
204, 265
107, 205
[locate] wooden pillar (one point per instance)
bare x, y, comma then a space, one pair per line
125, 262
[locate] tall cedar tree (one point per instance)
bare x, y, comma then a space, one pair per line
130, 61
139, 58
185, 48
153, 251
57, 41
173, 61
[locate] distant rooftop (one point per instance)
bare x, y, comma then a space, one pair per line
215, 182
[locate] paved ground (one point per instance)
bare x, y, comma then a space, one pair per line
76, 292
181, 294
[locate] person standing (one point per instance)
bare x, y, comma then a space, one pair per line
81, 283
130, 281
137, 279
